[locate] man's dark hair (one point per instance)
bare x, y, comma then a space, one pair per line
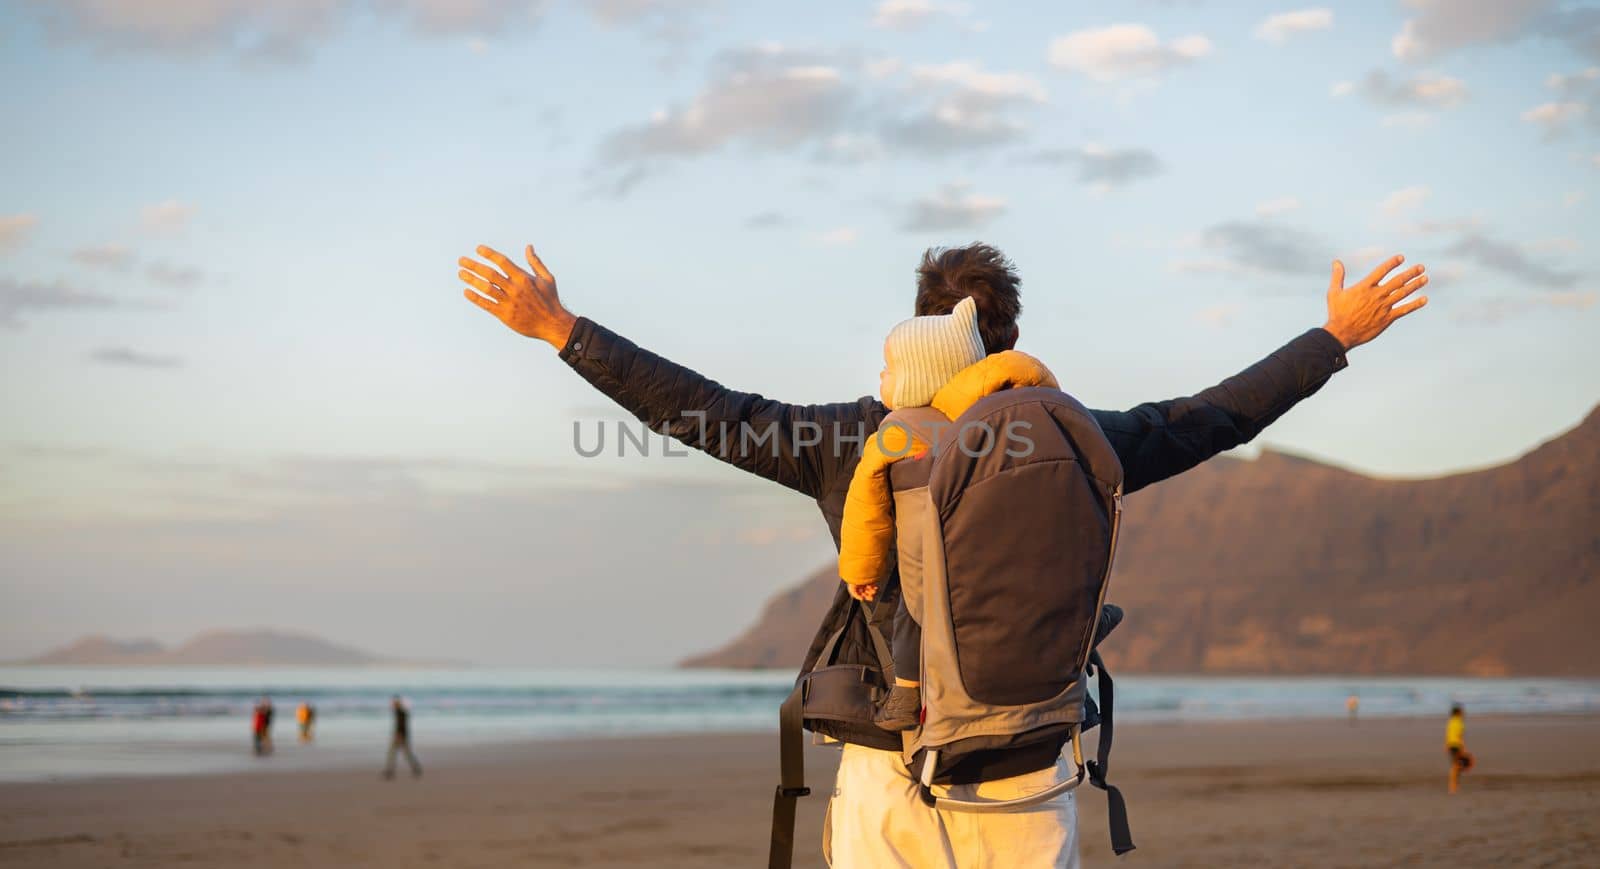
948, 275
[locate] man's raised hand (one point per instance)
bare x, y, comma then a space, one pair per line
1360, 312
525, 302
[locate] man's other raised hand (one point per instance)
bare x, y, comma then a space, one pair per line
526, 302
1360, 312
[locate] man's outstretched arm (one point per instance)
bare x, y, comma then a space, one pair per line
1161, 439
795, 445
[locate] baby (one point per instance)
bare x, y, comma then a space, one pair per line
936, 361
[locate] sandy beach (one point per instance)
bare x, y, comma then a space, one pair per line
1309, 793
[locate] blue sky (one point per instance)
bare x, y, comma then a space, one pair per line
240, 379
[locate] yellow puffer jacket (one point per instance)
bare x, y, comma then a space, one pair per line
867, 533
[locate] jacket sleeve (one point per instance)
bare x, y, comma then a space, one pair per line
1165, 438
808, 448
866, 534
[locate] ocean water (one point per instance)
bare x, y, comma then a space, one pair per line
61, 722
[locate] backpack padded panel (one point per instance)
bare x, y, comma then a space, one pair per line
1024, 499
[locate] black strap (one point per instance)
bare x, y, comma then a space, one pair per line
1116, 807
791, 737
791, 781
880, 614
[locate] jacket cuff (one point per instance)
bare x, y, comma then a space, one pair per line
1325, 341
581, 338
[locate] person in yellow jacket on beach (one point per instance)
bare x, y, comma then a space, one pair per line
1455, 744
933, 361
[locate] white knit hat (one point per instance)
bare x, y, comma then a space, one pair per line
925, 352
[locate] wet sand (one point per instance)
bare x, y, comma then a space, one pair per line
1277, 794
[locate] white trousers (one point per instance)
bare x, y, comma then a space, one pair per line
876, 820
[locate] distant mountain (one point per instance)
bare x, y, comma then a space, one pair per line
782, 633
254, 648
1286, 565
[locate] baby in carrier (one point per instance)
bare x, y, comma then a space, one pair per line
931, 361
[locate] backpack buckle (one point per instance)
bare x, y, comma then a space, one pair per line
793, 792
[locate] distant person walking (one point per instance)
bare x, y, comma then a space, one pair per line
306, 717
1352, 705
261, 727
1461, 760
401, 740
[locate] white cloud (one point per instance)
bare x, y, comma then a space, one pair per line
1281, 205
18, 298
15, 229
624, 11
105, 256
1440, 26
168, 216
195, 27
908, 15
953, 206
980, 86
1258, 247
835, 109
288, 29
1429, 90
1102, 167
1554, 118
1124, 51
1342, 89
1578, 97
1579, 82
1278, 28
766, 96
1405, 199
962, 106
673, 26
839, 236
1508, 259
483, 18
903, 14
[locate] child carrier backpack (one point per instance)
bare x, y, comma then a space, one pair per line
1005, 537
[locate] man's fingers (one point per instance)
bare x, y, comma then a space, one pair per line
1397, 313
1399, 280
1336, 283
487, 272
1406, 289
482, 285
480, 301
1388, 266
538, 265
499, 259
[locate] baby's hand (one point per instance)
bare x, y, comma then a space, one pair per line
865, 591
